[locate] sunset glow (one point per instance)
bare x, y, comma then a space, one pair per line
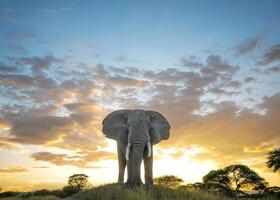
212, 68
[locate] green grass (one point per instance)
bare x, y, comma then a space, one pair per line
115, 192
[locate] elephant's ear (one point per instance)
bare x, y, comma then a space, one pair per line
115, 125
159, 127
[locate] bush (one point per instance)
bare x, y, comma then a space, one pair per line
69, 190
42, 192
9, 194
58, 193
26, 194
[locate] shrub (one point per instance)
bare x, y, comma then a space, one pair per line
42, 192
9, 194
69, 190
58, 193
26, 194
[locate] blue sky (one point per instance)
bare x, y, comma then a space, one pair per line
156, 32
210, 67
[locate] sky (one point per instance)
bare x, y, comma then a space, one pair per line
212, 68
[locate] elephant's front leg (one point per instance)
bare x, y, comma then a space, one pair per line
122, 162
148, 165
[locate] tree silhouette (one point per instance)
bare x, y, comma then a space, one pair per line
78, 181
274, 160
168, 181
235, 178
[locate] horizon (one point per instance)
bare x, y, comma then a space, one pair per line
212, 68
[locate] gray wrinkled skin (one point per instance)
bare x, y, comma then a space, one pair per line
134, 130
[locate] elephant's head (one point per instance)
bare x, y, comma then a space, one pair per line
136, 129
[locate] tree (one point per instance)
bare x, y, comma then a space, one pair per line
78, 181
168, 181
218, 177
235, 178
274, 160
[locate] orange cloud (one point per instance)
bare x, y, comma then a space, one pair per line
82, 159
16, 169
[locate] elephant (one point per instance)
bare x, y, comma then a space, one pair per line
136, 131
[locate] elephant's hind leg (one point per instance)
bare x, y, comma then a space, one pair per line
122, 163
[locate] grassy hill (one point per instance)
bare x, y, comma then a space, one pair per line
116, 192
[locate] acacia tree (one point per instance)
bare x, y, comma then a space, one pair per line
168, 181
78, 181
235, 178
274, 160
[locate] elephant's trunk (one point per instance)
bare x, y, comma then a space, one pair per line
127, 151
149, 149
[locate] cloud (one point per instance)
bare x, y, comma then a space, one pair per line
7, 69
262, 148
18, 49
76, 130
35, 126
190, 62
234, 84
16, 169
81, 107
219, 91
96, 55
228, 132
16, 80
20, 35
57, 159
217, 64
249, 79
39, 129
40, 167
248, 45
38, 63
271, 55
12, 15
122, 58
5, 145
82, 159
275, 69
63, 107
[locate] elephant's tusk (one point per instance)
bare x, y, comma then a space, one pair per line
127, 151
149, 149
